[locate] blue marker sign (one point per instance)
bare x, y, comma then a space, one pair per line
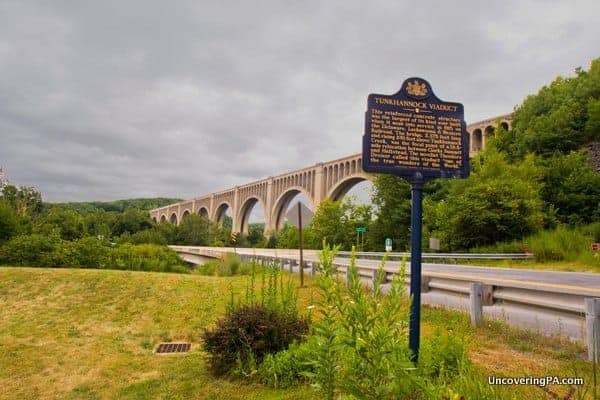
415, 135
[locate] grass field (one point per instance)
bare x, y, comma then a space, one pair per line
90, 334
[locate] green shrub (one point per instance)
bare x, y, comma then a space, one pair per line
288, 367
148, 236
145, 257
502, 247
90, 252
560, 244
9, 222
247, 334
51, 251
500, 201
593, 231
208, 268
443, 356
37, 251
229, 265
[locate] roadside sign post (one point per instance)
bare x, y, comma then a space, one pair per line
233, 238
301, 246
296, 216
360, 238
415, 135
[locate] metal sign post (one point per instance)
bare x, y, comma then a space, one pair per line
416, 220
415, 135
360, 238
301, 246
296, 215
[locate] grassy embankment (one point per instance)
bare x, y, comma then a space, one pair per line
90, 334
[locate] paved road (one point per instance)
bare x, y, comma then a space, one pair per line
552, 280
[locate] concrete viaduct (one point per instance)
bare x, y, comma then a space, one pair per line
331, 179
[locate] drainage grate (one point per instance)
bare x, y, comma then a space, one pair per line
165, 348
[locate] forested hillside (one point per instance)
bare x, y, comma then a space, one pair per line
117, 205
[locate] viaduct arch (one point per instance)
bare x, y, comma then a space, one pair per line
331, 179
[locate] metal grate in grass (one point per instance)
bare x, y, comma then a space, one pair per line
169, 348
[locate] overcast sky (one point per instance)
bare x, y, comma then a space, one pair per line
102, 100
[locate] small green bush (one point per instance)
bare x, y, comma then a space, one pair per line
145, 257
229, 265
208, 268
593, 231
560, 244
288, 367
443, 356
247, 334
89, 252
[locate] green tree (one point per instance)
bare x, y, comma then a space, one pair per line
571, 188
168, 231
256, 237
131, 221
68, 224
24, 200
392, 215
194, 230
561, 117
288, 238
148, 236
336, 222
99, 223
500, 201
9, 222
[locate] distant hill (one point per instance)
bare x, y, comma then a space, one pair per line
117, 205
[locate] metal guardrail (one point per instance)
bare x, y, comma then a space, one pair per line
454, 256
545, 308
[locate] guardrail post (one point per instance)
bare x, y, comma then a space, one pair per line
292, 262
374, 278
348, 276
487, 295
313, 268
476, 300
592, 328
425, 279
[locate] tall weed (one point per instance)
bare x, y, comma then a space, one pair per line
360, 341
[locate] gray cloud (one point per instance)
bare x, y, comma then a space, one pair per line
106, 100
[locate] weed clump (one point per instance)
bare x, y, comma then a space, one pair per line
247, 334
228, 265
264, 321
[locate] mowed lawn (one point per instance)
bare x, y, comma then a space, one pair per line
90, 334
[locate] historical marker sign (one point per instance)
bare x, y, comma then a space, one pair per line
419, 137
415, 135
